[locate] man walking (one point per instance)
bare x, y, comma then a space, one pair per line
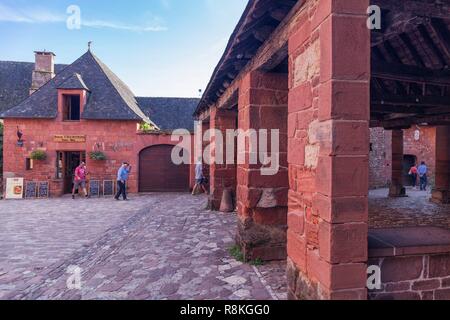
80, 179
199, 178
413, 174
423, 171
122, 178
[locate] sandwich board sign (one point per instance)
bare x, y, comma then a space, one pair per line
14, 188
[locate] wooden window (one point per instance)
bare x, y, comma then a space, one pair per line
28, 164
59, 165
71, 108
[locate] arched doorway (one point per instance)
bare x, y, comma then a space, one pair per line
158, 173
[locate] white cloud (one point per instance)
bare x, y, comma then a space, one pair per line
38, 15
8, 14
100, 24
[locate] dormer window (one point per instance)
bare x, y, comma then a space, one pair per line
71, 107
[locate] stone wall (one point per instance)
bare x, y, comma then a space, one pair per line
262, 198
328, 136
118, 140
380, 160
419, 277
418, 141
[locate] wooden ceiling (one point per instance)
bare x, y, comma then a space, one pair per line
260, 19
410, 59
410, 64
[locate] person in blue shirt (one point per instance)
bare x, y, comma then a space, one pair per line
122, 178
423, 171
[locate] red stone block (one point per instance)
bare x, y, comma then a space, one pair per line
345, 48
296, 247
344, 100
294, 201
306, 182
312, 234
439, 266
424, 285
292, 125
402, 296
296, 222
257, 180
343, 176
343, 243
300, 36
398, 287
267, 97
318, 269
349, 138
348, 276
305, 118
273, 118
401, 269
341, 210
296, 152
443, 294
267, 80
358, 294
270, 216
446, 282
300, 98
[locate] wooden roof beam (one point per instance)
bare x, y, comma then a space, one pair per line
401, 72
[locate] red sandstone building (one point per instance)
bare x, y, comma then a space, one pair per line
70, 111
314, 70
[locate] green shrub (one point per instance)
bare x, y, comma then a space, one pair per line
236, 253
97, 155
147, 127
38, 155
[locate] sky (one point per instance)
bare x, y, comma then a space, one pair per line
159, 48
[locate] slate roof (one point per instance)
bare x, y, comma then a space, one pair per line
74, 82
15, 82
109, 98
170, 113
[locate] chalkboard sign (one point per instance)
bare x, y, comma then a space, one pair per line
43, 190
108, 188
94, 188
31, 190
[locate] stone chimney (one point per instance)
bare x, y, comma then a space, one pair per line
44, 69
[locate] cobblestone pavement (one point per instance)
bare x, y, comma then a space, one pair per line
411, 211
159, 246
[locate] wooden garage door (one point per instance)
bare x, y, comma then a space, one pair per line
157, 172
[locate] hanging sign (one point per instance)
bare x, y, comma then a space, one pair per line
14, 188
70, 139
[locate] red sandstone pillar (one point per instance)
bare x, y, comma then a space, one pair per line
328, 132
396, 189
262, 197
222, 175
441, 192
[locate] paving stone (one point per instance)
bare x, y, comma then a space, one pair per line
158, 246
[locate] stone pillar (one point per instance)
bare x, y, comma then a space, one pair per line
397, 189
222, 174
328, 152
441, 192
262, 196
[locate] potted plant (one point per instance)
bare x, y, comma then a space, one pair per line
97, 155
145, 127
38, 155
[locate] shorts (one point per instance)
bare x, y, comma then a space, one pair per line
200, 181
78, 184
